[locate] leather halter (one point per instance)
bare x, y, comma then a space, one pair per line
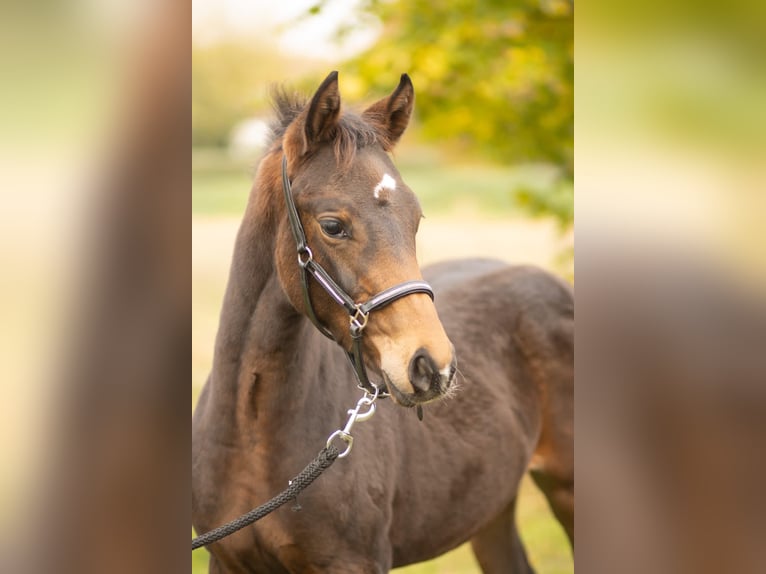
358, 312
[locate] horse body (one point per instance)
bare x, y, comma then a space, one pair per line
410, 490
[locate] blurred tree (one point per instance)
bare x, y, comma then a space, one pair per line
223, 91
492, 76
230, 82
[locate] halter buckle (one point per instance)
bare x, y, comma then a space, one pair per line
358, 321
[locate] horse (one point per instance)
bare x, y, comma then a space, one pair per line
487, 364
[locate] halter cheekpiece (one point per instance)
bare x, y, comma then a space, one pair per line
359, 313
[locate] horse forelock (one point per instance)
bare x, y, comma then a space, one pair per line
351, 133
287, 106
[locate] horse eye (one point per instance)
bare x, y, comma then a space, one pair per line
333, 228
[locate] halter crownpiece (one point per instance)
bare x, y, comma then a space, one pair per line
358, 312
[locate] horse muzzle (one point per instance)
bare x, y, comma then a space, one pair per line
426, 381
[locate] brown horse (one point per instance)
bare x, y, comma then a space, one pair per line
411, 490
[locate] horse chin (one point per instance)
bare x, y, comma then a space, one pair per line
408, 400
396, 395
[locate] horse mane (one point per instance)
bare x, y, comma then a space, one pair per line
351, 133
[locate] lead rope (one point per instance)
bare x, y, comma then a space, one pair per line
328, 455
322, 462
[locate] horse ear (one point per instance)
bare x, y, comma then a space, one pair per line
323, 111
316, 122
392, 114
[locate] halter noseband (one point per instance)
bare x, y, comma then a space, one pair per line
359, 313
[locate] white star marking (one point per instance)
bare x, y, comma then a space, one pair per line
387, 182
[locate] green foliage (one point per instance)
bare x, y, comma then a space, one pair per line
556, 200
493, 77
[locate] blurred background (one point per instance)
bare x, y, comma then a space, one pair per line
489, 152
671, 270
94, 212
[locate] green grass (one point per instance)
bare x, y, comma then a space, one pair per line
200, 559
220, 192
444, 188
220, 186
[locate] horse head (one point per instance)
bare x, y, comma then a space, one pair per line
359, 219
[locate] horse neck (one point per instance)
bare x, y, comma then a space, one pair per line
259, 330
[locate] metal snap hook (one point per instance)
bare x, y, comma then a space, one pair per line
345, 437
361, 416
368, 400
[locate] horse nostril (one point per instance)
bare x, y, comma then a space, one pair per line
421, 366
422, 370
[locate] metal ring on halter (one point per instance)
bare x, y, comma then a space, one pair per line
305, 250
358, 321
